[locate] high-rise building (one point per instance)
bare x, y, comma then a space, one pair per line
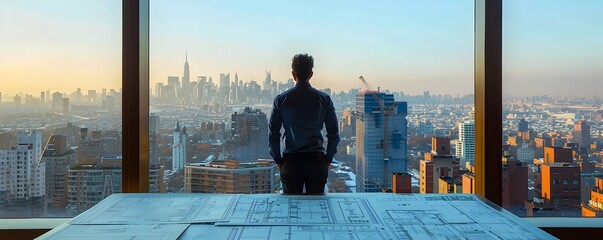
525, 153
523, 125
42, 98
515, 184
154, 123
231, 177
66, 106
235, 89
347, 124
58, 159
582, 134
224, 90
437, 164
186, 78
465, 149
380, 151
22, 173
179, 148
57, 100
87, 185
155, 169
249, 132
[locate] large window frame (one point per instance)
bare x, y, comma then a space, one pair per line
488, 116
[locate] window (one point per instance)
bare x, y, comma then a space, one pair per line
552, 122
60, 72
214, 76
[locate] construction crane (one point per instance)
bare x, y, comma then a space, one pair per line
386, 113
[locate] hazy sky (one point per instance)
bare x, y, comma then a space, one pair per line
550, 46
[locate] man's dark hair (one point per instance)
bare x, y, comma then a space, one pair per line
302, 66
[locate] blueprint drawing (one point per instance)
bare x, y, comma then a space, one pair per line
448, 217
300, 210
130, 232
159, 208
315, 232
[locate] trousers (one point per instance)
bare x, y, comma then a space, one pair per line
304, 169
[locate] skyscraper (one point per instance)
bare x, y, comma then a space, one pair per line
465, 149
22, 173
380, 152
186, 78
224, 87
179, 148
185, 91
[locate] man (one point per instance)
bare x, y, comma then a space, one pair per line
302, 111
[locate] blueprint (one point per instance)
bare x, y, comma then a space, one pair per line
158, 208
453, 216
275, 216
300, 210
314, 232
102, 232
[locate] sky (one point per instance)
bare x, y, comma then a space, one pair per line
550, 47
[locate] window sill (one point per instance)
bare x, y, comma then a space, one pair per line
31, 223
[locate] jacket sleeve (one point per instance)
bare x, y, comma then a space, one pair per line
274, 136
332, 130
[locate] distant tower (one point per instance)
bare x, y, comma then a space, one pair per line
186, 78
370, 160
582, 134
523, 125
465, 149
179, 148
235, 88
267, 81
185, 93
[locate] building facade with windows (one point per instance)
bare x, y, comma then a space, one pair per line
231, 176
381, 146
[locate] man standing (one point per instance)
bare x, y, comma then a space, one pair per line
303, 111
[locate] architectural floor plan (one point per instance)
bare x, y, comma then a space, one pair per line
158, 208
103, 232
335, 232
295, 210
447, 217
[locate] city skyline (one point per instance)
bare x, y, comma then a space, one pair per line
550, 47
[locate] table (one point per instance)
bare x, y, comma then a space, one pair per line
276, 216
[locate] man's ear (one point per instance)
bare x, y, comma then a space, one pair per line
310, 76
294, 75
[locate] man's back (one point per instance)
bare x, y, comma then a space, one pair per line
303, 111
